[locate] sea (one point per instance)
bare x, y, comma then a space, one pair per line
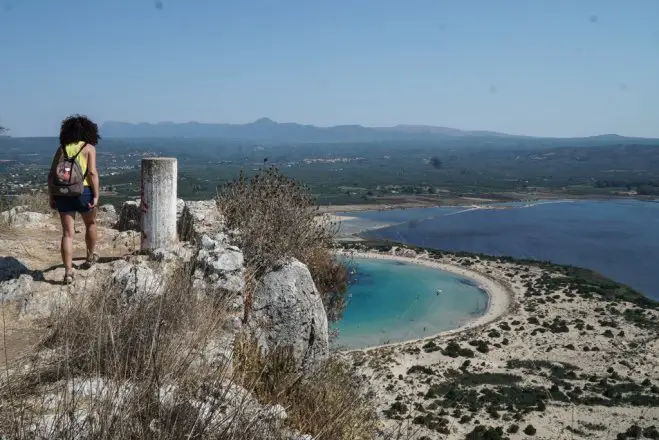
617, 238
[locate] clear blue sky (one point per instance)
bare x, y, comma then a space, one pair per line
537, 67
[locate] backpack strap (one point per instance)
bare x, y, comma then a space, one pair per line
66, 155
79, 151
75, 156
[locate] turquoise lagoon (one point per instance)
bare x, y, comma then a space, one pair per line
392, 301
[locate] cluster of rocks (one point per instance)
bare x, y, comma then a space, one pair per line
19, 215
287, 309
228, 408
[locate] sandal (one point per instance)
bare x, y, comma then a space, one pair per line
69, 278
91, 260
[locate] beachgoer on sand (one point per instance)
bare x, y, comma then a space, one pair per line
74, 186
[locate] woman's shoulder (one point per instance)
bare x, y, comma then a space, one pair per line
89, 148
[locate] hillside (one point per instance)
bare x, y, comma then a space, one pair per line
267, 130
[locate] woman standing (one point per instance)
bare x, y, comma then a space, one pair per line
78, 139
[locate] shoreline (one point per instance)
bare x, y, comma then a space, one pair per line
500, 298
466, 202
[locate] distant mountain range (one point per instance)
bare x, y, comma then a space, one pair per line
267, 130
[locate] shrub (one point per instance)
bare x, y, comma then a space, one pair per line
454, 350
530, 430
329, 400
277, 220
486, 433
420, 369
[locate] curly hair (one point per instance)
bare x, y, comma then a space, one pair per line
78, 128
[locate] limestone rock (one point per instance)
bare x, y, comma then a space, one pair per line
129, 218
198, 218
107, 215
84, 421
16, 288
403, 252
232, 409
127, 239
9, 215
288, 311
19, 216
219, 264
137, 280
37, 303
181, 252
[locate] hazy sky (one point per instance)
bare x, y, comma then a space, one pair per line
537, 67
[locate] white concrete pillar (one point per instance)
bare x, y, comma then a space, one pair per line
158, 205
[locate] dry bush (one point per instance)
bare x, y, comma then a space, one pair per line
36, 201
277, 219
329, 403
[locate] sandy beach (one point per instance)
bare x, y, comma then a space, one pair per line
546, 358
500, 297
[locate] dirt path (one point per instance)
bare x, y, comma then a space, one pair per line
38, 249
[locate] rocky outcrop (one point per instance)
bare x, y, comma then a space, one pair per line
18, 286
181, 253
30, 302
199, 218
16, 289
19, 215
137, 280
129, 240
228, 408
129, 217
107, 216
219, 267
403, 252
287, 311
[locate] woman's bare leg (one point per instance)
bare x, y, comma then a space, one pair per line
90, 232
68, 220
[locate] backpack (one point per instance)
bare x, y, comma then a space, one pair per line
68, 179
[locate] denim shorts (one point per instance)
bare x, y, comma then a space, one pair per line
78, 204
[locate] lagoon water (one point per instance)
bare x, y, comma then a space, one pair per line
393, 302
618, 238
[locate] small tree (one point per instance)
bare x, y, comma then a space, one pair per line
277, 219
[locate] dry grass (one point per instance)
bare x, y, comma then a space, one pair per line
37, 201
328, 404
135, 351
131, 355
278, 219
